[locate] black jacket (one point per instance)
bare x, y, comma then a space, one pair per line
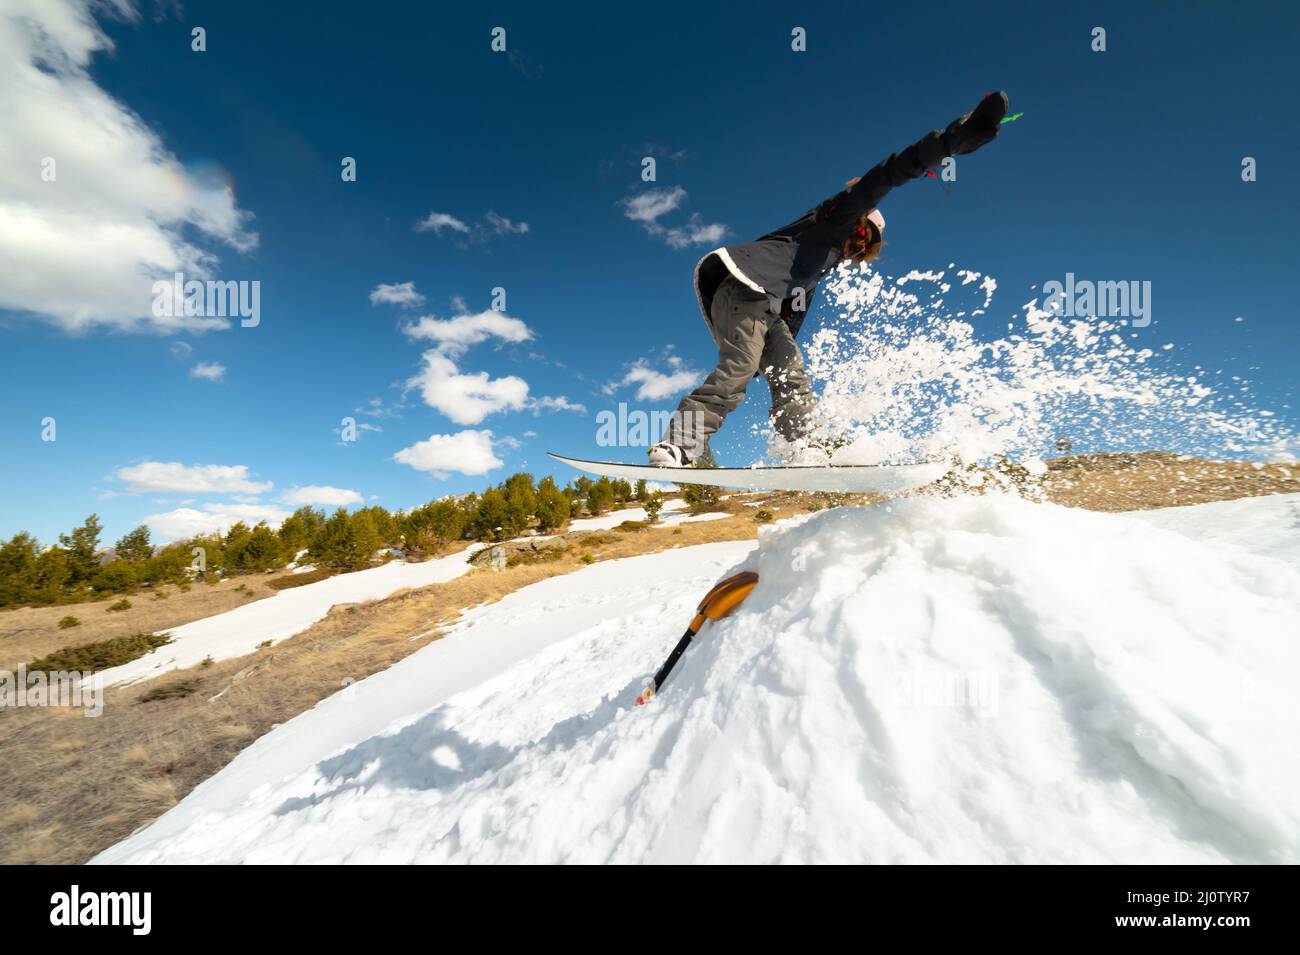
799, 254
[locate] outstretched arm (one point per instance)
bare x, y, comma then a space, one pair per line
838, 214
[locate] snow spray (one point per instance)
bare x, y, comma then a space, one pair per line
907, 369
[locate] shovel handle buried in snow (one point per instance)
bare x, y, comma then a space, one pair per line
725, 596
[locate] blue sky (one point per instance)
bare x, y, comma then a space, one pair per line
1125, 165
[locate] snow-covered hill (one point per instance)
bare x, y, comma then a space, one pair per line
241, 630
978, 679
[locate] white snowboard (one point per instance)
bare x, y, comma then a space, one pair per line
845, 478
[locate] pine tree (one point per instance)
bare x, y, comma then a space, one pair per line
702, 497
492, 516
552, 506
262, 549
82, 547
521, 502
135, 546
50, 575
116, 577
425, 529
18, 557
330, 546
300, 529
600, 496
385, 525
169, 565
362, 541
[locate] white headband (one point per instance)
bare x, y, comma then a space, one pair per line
875, 216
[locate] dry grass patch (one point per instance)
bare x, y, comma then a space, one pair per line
31, 632
1136, 482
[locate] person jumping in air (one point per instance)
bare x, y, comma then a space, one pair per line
755, 295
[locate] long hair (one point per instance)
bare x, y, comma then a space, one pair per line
864, 243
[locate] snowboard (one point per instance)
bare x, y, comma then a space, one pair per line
842, 478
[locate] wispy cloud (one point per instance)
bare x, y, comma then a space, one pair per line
695, 232
493, 225
649, 207
375, 408
525, 65
209, 371
402, 294
654, 384
503, 226
557, 403
437, 222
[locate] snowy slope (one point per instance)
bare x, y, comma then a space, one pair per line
240, 630
1265, 525
674, 512
978, 679
276, 618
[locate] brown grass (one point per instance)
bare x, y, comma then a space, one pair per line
1135, 482
74, 786
32, 632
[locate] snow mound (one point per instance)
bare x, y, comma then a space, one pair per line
978, 679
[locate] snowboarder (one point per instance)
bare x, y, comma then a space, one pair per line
755, 295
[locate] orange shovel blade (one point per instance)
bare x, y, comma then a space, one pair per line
727, 594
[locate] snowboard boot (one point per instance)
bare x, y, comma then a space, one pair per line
665, 455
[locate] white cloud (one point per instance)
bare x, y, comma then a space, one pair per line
374, 408
181, 350
655, 385
400, 293
456, 334
466, 398
435, 222
557, 403
503, 226
323, 495
493, 224
84, 250
650, 206
190, 479
695, 232
185, 522
209, 370
465, 452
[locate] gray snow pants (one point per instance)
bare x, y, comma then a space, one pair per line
751, 339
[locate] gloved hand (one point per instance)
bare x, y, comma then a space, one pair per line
968, 133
